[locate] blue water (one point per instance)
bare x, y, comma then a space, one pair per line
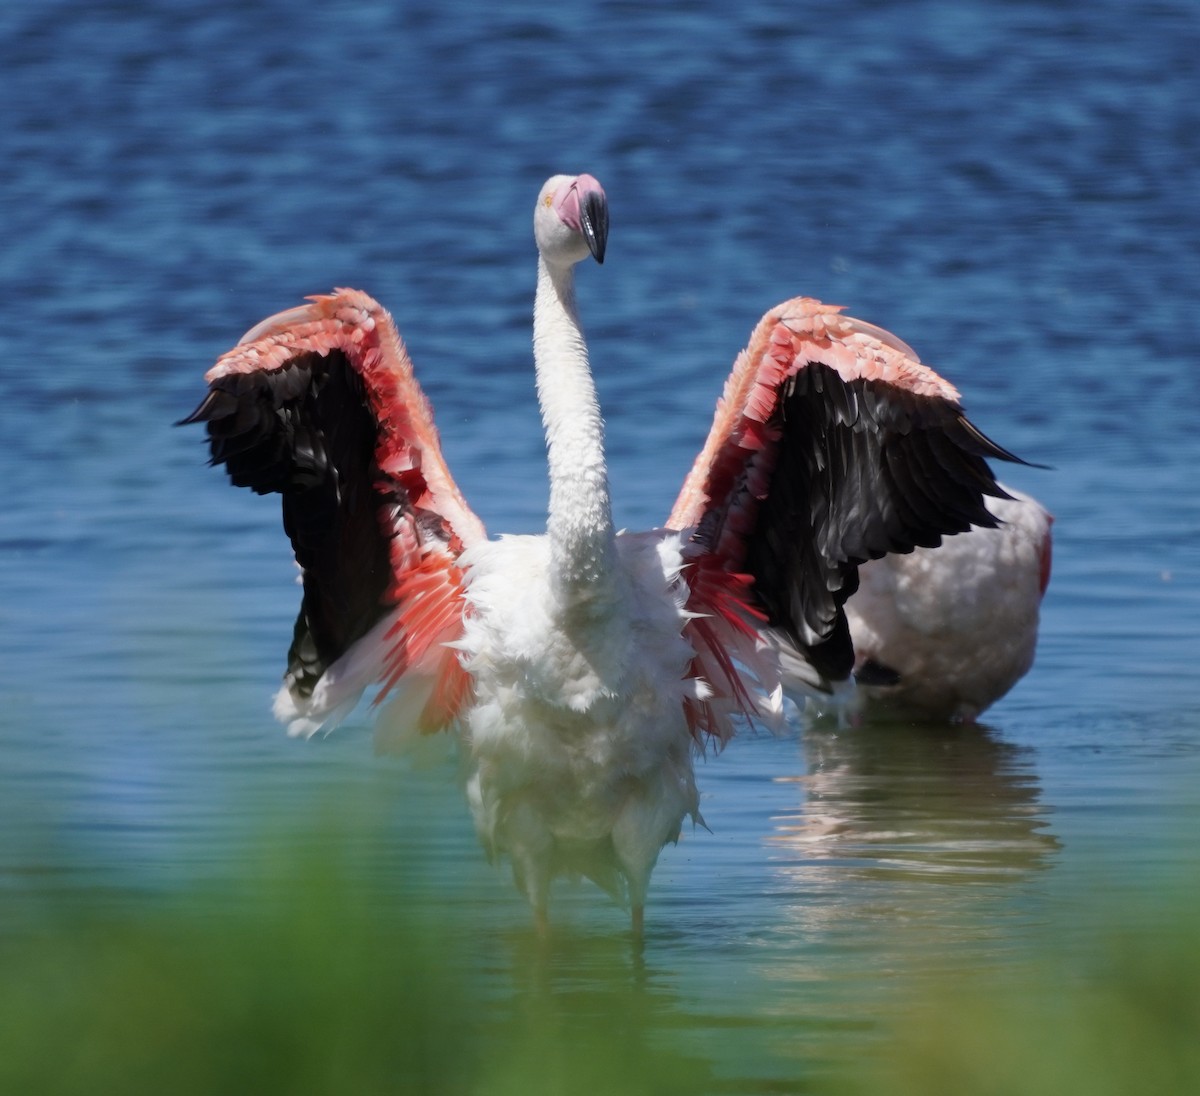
1010, 187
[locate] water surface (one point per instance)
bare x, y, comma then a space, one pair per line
1009, 187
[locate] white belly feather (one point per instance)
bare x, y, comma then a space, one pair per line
578, 753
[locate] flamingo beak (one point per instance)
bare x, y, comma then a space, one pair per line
593, 219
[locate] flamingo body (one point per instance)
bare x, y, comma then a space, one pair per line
579, 751
582, 669
943, 633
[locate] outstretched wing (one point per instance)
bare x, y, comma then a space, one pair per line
831, 445
320, 404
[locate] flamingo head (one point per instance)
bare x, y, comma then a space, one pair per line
571, 220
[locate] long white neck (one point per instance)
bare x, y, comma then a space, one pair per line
580, 524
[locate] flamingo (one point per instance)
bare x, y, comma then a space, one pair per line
583, 669
943, 633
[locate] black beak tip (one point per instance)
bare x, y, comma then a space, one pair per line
594, 219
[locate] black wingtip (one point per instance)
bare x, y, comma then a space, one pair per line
983, 446
215, 405
876, 673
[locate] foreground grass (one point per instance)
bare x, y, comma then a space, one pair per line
301, 983
1124, 1021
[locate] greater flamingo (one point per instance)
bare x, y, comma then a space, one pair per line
943, 633
583, 668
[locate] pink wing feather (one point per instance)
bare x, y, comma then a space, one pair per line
320, 404
831, 445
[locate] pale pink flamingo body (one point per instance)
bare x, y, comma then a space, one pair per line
582, 669
943, 633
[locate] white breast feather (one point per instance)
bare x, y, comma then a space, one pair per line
578, 728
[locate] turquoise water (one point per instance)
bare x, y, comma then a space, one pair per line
1009, 187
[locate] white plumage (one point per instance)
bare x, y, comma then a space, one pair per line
577, 745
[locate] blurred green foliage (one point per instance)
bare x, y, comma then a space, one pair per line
301, 981
1117, 1017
